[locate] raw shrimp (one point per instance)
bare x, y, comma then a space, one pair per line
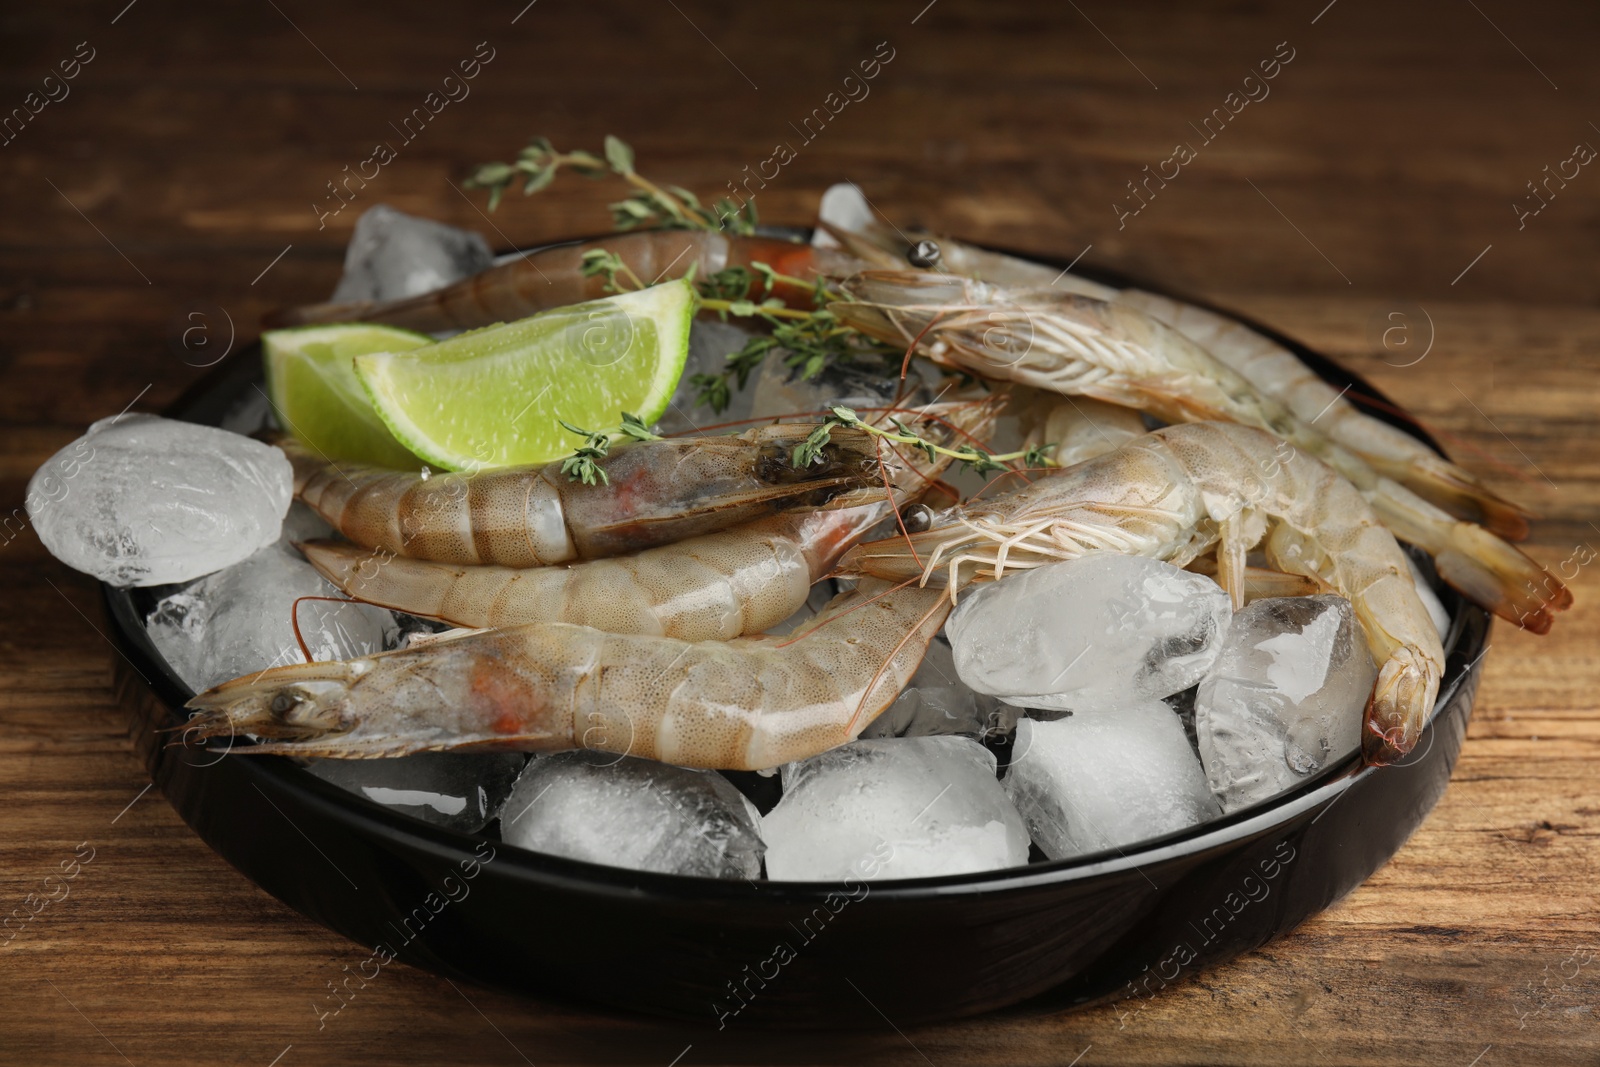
1171, 495
659, 491
1072, 429
886, 248
1267, 365
1390, 451
553, 277
746, 704
1074, 344
713, 587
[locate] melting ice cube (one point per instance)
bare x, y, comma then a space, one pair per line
1093, 632
635, 813
145, 501
393, 255
710, 344
1286, 697
894, 808
936, 701
458, 790
241, 619
1106, 778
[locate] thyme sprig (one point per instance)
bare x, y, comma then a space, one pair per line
981, 462
581, 466
649, 205
811, 340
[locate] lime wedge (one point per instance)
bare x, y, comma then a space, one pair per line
311, 380
494, 397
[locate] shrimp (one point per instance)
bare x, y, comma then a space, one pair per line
553, 277
886, 248
1073, 429
658, 491
1266, 364
1171, 495
1387, 449
717, 586
1074, 344
747, 704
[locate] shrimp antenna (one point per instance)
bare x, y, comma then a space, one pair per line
905, 364
294, 619
847, 611
899, 519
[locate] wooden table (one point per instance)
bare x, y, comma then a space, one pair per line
176, 186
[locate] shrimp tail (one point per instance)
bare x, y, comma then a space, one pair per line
1444, 484
1486, 570
1401, 702
1495, 575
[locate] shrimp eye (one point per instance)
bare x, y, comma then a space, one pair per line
924, 255
916, 517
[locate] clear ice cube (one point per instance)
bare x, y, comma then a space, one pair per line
1106, 778
241, 619
843, 205
936, 701
1285, 699
140, 500
634, 813
393, 255
457, 790
1092, 632
893, 808
781, 390
710, 343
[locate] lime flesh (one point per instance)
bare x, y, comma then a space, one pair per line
495, 397
312, 383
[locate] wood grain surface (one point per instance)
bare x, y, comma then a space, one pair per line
1375, 188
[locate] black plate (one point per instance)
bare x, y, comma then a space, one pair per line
1059, 934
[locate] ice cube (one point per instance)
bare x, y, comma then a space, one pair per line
392, 255
843, 205
458, 790
710, 343
241, 620
1106, 778
1286, 697
781, 390
893, 808
634, 813
936, 701
140, 500
1102, 630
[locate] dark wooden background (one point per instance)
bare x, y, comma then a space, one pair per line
1377, 180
